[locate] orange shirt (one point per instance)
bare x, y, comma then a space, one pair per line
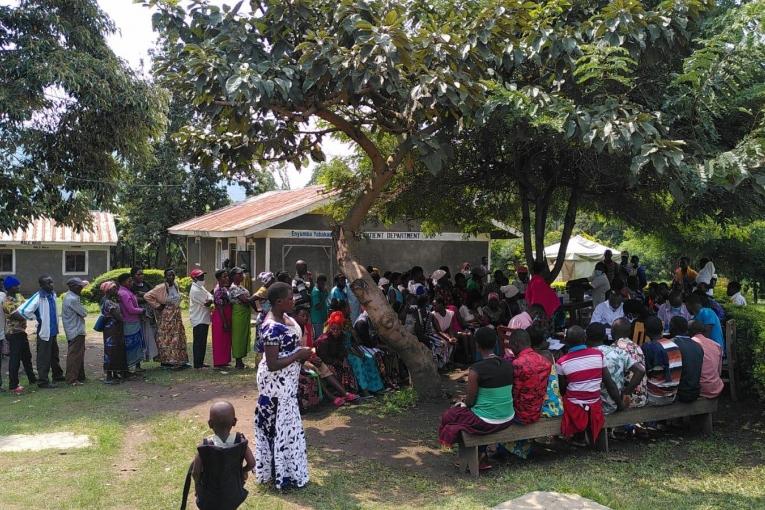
690, 275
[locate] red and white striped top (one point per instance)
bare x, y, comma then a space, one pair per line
583, 368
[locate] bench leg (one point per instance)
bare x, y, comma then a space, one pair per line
602, 442
469, 459
706, 423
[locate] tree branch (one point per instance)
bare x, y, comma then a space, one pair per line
379, 167
526, 225
568, 227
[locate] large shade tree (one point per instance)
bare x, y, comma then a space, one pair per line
71, 112
656, 118
269, 79
402, 80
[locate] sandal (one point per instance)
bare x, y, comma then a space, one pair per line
338, 401
351, 397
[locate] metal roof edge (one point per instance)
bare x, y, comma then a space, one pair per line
288, 216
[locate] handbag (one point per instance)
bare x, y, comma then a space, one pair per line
100, 324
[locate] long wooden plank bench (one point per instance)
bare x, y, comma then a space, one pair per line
701, 408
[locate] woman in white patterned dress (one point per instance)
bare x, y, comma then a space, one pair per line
280, 451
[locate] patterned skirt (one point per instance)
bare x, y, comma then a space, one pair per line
114, 347
133, 343
344, 375
171, 337
280, 449
442, 350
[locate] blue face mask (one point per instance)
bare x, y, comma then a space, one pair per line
597, 272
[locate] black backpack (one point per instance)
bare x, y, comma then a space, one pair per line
221, 486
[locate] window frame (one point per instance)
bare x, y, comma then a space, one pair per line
13, 262
75, 273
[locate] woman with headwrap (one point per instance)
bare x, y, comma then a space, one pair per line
165, 298
362, 363
115, 360
332, 350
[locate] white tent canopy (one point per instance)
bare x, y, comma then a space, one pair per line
581, 257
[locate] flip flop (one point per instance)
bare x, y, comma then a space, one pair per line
351, 397
485, 466
338, 402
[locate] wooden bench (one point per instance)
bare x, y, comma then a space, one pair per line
468, 448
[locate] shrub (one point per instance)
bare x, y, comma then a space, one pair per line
153, 277
750, 347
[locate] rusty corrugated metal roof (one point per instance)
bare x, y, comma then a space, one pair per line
255, 214
103, 231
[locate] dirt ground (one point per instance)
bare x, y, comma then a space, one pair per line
406, 441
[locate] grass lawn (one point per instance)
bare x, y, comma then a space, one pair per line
379, 455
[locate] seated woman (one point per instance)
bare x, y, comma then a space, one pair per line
330, 348
362, 364
443, 336
495, 312
315, 376
552, 406
470, 319
488, 405
388, 362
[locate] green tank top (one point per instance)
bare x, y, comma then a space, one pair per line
494, 402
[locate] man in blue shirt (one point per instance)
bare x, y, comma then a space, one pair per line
41, 307
701, 313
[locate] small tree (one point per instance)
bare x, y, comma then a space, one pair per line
168, 190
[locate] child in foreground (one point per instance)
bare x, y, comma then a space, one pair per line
217, 468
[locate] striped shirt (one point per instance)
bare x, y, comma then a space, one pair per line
583, 368
664, 365
41, 306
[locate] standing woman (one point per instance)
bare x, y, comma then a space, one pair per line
165, 298
115, 362
221, 321
241, 314
131, 322
148, 322
280, 453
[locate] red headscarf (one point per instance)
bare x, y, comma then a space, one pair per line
336, 318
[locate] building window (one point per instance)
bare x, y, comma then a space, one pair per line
75, 262
7, 261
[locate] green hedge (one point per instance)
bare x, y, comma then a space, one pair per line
153, 277
750, 347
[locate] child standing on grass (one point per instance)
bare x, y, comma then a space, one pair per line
217, 468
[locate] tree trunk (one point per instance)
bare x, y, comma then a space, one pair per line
162, 253
568, 228
415, 355
526, 227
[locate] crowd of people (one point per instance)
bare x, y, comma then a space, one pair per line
313, 341
526, 373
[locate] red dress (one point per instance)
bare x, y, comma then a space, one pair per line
221, 339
